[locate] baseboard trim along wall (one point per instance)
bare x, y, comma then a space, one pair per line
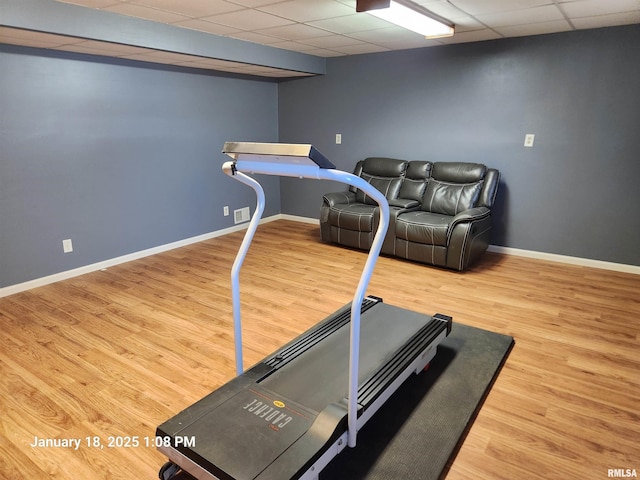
552, 257
39, 282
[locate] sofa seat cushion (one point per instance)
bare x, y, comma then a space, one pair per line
356, 216
424, 227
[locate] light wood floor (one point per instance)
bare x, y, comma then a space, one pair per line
115, 353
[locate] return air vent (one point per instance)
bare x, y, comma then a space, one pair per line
241, 215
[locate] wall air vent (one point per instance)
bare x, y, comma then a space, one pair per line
241, 215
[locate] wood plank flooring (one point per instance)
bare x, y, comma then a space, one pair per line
112, 354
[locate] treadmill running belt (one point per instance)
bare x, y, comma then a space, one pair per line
320, 375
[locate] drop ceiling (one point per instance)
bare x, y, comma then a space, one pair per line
320, 28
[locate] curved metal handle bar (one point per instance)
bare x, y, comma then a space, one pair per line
242, 253
365, 277
309, 171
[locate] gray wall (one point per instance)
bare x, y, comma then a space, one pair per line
118, 156
574, 193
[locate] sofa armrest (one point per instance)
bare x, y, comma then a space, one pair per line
404, 203
468, 238
472, 214
336, 198
467, 216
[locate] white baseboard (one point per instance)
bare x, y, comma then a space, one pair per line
295, 218
552, 257
39, 282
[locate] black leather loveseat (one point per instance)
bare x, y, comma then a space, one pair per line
440, 213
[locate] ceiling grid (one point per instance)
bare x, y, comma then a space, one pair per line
326, 28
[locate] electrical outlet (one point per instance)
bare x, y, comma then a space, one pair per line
528, 139
338, 138
225, 210
67, 246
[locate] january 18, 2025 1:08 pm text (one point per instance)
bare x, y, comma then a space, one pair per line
120, 441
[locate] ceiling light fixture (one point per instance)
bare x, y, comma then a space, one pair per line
408, 15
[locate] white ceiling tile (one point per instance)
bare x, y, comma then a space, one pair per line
607, 20
92, 3
534, 28
443, 8
324, 52
308, 10
79, 48
215, 63
256, 37
332, 41
203, 26
590, 8
465, 24
147, 13
294, 46
358, 22
28, 42
114, 48
161, 57
191, 8
295, 31
248, 20
254, 3
479, 7
348, 3
472, 36
521, 17
45, 39
360, 49
25, 42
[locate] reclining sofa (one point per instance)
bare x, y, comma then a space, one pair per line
440, 213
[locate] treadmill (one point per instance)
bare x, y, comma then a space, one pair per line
289, 415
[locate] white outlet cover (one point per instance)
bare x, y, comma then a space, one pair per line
67, 246
528, 139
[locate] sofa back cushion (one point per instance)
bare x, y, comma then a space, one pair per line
357, 171
415, 180
453, 187
385, 174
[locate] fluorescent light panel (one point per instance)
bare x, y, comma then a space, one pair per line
407, 15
